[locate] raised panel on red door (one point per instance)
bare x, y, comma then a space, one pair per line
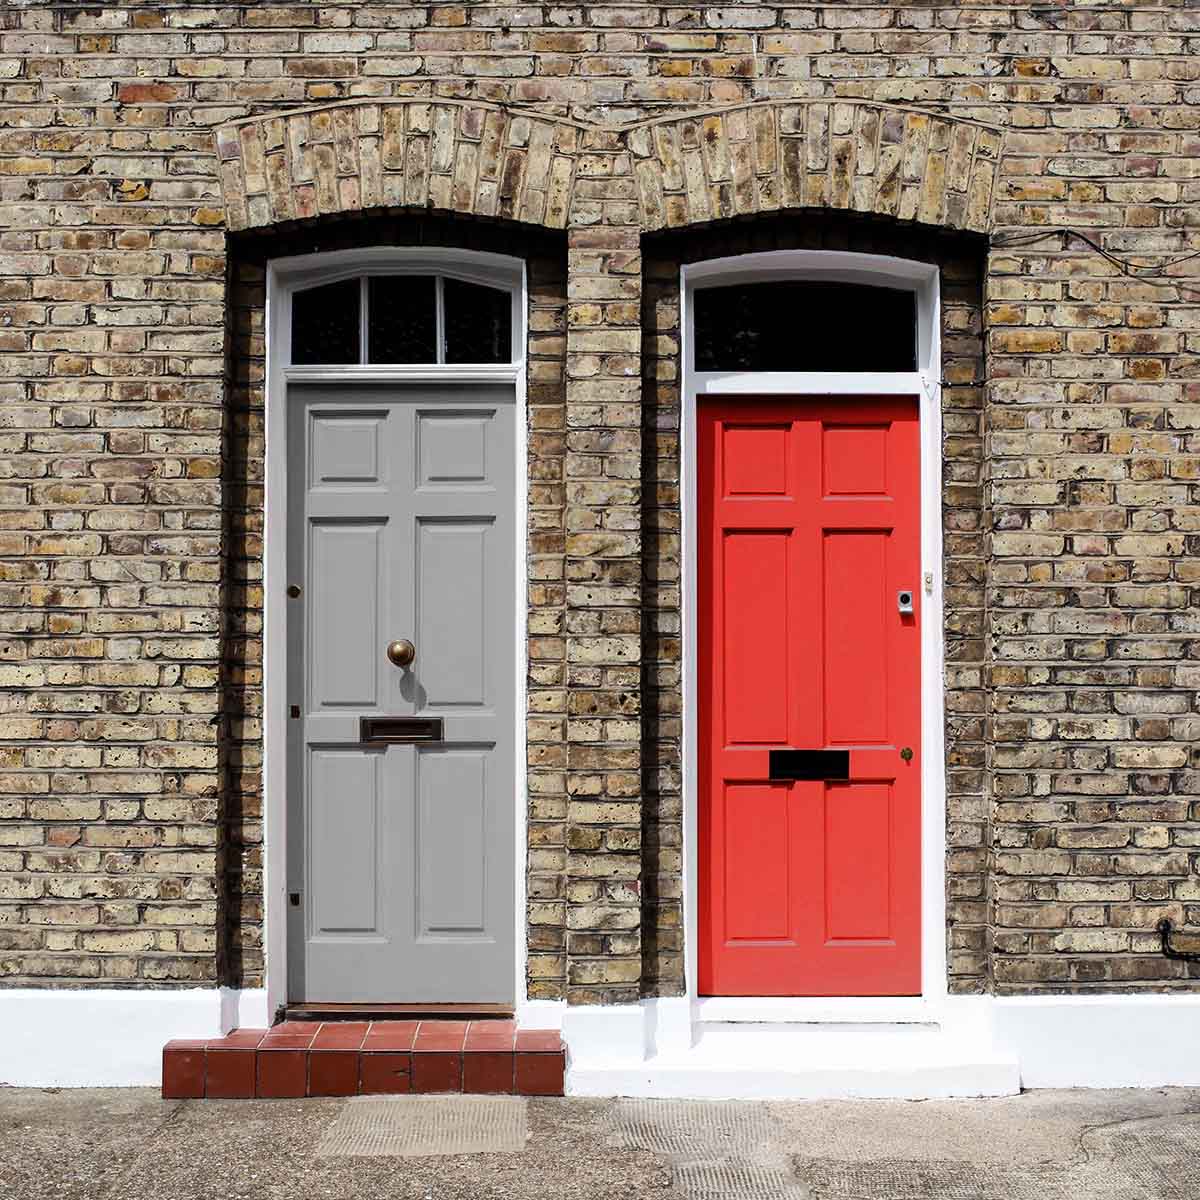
809, 527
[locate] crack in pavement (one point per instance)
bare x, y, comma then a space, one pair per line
117, 1186
726, 1150
1148, 1158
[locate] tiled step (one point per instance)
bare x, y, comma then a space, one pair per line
366, 1058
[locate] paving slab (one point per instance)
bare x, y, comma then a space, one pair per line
428, 1126
718, 1150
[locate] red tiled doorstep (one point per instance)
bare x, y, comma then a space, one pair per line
286, 1041
183, 1070
485, 1071
390, 1035
384, 1073
540, 1074
240, 1039
340, 1035
441, 1035
296, 1027
292, 1033
491, 1035
332, 1072
345, 1058
436, 1072
282, 1073
230, 1074
541, 1040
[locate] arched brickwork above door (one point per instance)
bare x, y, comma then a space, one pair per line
449, 155
490, 161
858, 156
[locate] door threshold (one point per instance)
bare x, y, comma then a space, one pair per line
316, 1011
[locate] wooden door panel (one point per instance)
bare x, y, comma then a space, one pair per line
755, 818
346, 560
453, 610
754, 459
858, 818
455, 843
809, 526
400, 856
755, 677
343, 821
855, 627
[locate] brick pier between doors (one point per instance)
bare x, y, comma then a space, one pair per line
364, 1058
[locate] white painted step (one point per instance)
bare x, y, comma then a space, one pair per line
914, 1062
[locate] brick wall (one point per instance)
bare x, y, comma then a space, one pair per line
130, 358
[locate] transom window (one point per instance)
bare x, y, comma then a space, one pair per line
805, 325
401, 319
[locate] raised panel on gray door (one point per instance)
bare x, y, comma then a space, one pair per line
401, 856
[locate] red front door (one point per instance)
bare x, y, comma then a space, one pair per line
809, 530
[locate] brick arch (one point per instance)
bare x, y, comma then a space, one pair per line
487, 160
844, 154
456, 156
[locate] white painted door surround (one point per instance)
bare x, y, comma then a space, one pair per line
870, 270
285, 382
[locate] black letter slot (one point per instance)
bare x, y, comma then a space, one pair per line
809, 764
378, 730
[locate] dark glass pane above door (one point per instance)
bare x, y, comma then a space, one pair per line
402, 319
407, 320
805, 325
478, 323
325, 324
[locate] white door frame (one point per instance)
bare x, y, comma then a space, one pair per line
881, 271
284, 277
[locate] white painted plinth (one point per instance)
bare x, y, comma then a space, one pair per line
963, 1046
110, 1037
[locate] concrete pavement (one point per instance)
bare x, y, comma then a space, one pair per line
1114, 1145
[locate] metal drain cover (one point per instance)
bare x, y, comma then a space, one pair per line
417, 1126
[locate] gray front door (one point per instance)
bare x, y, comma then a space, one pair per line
401, 857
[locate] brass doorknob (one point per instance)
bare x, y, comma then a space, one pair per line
401, 652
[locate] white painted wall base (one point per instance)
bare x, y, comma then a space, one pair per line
968, 1046
244, 1008
1101, 1041
540, 1014
110, 1037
